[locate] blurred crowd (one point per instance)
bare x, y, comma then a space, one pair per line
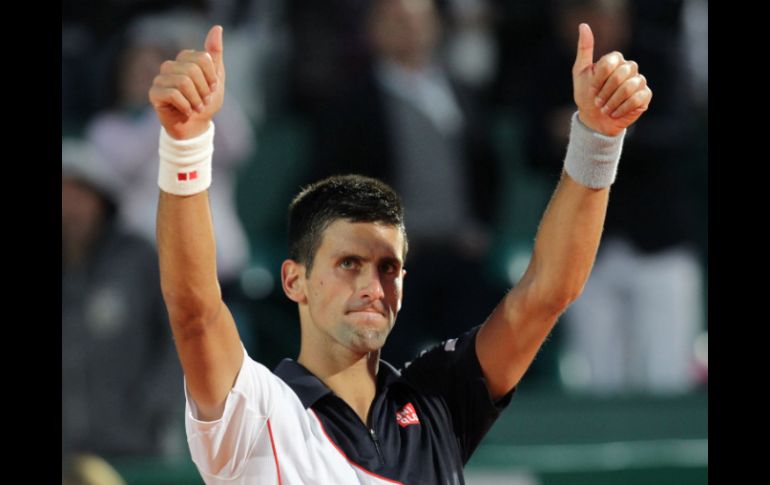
462, 105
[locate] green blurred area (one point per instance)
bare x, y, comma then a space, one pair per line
563, 438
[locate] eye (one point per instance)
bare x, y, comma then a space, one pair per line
388, 268
348, 263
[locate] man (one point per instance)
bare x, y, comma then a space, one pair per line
118, 367
338, 415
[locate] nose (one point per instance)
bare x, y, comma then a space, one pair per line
371, 287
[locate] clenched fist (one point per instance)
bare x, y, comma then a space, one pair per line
610, 94
189, 90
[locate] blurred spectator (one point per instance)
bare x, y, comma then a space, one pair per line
634, 327
405, 121
121, 381
328, 42
77, 41
471, 50
126, 138
695, 29
88, 43
257, 54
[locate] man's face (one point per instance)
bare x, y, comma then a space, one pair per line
82, 213
355, 287
405, 30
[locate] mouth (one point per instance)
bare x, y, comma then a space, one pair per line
368, 311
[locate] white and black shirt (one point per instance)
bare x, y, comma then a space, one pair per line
287, 427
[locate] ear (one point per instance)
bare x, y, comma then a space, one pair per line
293, 280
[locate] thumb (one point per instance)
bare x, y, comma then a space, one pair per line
215, 47
585, 49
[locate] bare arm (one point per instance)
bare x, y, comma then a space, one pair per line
570, 230
205, 335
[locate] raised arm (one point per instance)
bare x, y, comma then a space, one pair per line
186, 94
610, 96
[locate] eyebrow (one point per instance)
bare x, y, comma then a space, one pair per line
352, 254
393, 260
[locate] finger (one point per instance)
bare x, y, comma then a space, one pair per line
163, 98
184, 85
214, 45
623, 92
639, 101
195, 73
204, 62
604, 69
624, 71
585, 49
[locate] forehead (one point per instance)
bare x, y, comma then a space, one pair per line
362, 238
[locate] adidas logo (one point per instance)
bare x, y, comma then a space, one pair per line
406, 416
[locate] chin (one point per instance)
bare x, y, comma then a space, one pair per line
368, 338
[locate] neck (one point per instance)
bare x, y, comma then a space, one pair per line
352, 376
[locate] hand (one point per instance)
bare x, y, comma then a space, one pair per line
190, 90
611, 94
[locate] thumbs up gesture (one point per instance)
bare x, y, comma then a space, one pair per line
189, 90
610, 94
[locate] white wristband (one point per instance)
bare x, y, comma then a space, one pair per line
592, 158
185, 165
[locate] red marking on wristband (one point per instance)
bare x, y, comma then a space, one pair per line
183, 176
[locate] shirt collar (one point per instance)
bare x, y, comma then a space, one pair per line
310, 388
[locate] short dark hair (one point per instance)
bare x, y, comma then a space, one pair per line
355, 198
